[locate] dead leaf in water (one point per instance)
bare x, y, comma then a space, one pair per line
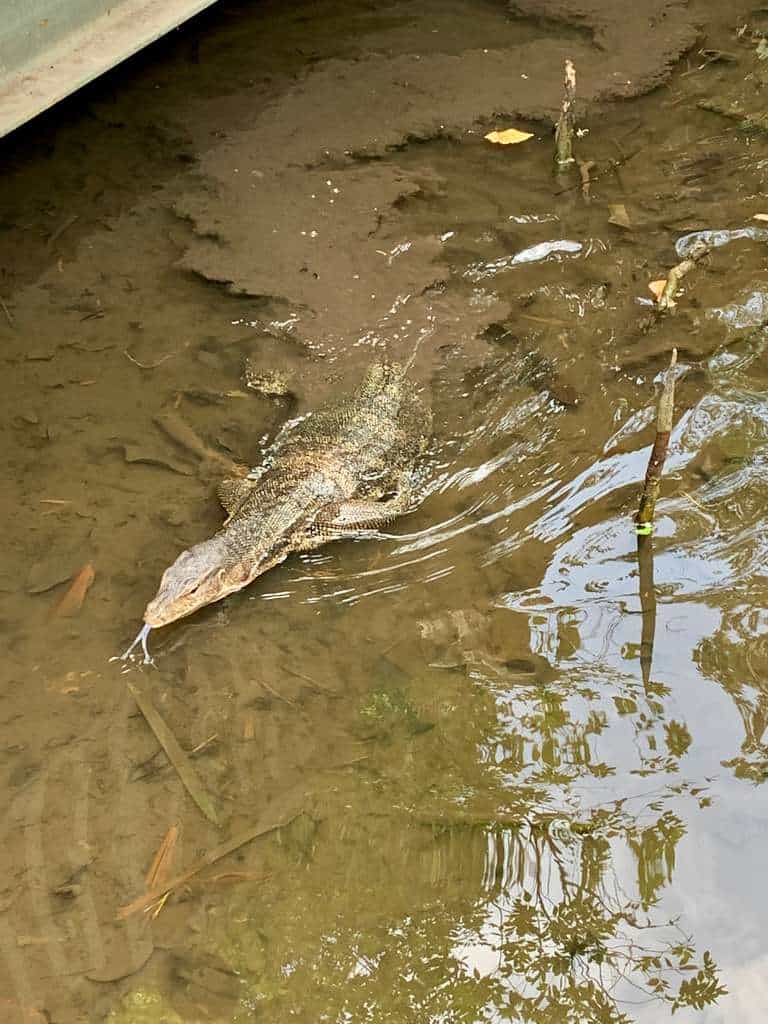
760, 216
656, 288
619, 215
508, 137
71, 603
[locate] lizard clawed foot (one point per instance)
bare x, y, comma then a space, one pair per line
141, 638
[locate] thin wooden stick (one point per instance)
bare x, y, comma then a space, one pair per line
174, 753
7, 312
665, 416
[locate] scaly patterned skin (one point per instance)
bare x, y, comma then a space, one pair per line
334, 473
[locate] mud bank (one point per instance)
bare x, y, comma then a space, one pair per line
317, 142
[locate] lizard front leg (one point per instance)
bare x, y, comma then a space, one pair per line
358, 516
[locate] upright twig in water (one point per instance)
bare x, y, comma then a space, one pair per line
666, 411
564, 127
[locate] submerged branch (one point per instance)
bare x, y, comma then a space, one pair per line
175, 754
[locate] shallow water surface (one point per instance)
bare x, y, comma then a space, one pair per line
501, 767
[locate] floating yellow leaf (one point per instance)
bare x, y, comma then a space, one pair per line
760, 216
657, 288
509, 137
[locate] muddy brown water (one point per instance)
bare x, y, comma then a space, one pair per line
501, 804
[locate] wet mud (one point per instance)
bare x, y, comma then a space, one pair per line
479, 797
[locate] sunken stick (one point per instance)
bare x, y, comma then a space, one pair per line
175, 754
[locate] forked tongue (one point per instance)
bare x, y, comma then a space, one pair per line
141, 638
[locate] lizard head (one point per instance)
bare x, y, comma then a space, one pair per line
200, 575
208, 572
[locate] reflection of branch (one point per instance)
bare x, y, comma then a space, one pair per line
554, 850
539, 894
647, 603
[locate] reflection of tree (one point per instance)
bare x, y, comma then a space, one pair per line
455, 875
735, 657
647, 603
472, 885
524, 921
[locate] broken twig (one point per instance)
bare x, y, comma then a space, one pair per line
175, 754
652, 486
698, 251
564, 127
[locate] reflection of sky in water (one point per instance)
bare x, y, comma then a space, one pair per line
716, 239
711, 548
750, 312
